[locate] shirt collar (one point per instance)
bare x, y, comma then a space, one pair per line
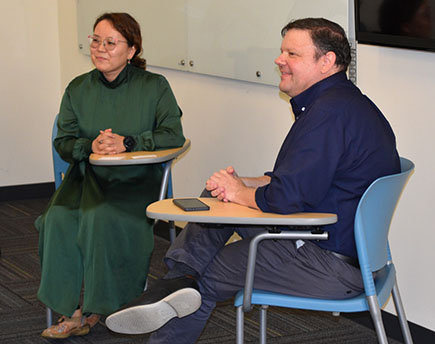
120, 79
303, 100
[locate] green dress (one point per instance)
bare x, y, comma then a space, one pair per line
94, 232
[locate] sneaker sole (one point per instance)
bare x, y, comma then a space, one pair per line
148, 318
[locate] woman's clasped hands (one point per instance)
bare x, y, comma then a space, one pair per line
108, 142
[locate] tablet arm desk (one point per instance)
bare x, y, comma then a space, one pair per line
304, 226
166, 157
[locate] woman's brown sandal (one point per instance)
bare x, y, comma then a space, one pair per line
92, 319
67, 327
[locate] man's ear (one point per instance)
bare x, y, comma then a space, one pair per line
328, 61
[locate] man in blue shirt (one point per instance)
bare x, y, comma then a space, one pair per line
339, 144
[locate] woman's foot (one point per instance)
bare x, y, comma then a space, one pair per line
66, 327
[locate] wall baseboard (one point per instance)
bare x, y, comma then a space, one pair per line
392, 327
26, 191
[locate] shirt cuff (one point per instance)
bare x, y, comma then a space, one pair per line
260, 199
82, 149
144, 142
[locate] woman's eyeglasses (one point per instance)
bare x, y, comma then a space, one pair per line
109, 43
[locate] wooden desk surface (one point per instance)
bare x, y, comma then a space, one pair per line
231, 213
138, 158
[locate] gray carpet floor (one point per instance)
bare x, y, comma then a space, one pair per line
22, 316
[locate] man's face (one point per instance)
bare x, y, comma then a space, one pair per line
297, 63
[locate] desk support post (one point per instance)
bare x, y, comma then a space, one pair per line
295, 235
165, 180
163, 194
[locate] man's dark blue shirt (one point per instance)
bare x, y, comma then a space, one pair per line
339, 144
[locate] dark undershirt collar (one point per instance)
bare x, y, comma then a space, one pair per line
120, 79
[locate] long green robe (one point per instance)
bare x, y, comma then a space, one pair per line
94, 232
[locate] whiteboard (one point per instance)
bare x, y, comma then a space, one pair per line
159, 20
236, 39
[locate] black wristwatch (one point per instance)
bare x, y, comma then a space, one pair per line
129, 143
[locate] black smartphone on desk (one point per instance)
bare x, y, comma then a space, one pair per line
190, 204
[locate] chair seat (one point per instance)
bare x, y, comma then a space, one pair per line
384, 282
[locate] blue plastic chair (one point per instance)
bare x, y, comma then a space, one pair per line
60, 168
372, 222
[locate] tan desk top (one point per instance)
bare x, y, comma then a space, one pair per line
138, 158
231, 213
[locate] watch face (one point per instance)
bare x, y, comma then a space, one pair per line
129, 143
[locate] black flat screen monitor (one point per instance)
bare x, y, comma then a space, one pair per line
396, 23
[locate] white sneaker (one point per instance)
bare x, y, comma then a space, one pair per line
148, 318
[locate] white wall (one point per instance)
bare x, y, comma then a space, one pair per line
402, 83
29, 89
233, 122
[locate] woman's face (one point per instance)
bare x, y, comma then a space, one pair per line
110, 63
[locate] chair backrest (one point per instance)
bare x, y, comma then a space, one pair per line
60, 166
373, 218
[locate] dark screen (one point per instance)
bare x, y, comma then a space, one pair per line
401, 23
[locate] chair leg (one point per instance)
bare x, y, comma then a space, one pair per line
375, 312
49, 317
401, 314
172, 233
146, 285
239, 325
263, 323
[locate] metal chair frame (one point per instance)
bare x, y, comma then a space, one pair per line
372, 220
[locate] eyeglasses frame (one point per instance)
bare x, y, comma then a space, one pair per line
92, 38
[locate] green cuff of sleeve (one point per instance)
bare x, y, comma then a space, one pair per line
82, 149
144, 142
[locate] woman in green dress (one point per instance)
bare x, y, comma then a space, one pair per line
94, 233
